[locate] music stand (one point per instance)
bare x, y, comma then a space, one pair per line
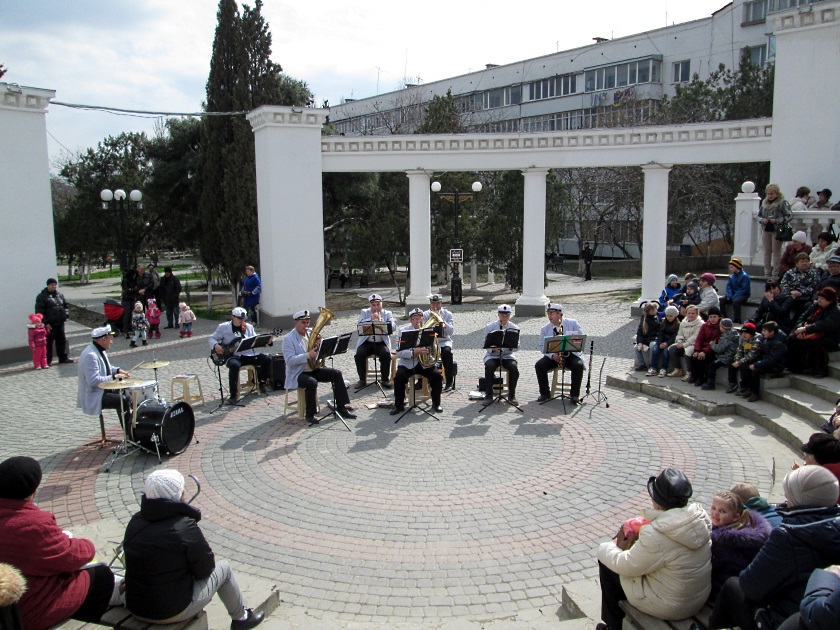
257, 341
328, 348
368, 329
417, 338
563, 344
502, 338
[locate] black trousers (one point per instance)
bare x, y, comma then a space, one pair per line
588, 267
404, 373
490, 368
751, 379
383, 354
573, 363
712, 368
111, 400
811, 354
732, 608
737, 303
611, 593
700, 367
128, 307
56, 336
309, 381
171, 315
99, 594
262, 361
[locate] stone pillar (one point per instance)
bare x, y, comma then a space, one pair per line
746, 209
473, 275
654, 230
290, 211
533, 300
491, 275
420, 239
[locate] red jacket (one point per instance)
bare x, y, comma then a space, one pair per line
709, 333
32, 541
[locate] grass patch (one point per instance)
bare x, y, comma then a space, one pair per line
73, 281
216, 314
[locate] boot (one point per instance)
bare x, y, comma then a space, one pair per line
181, 334
157, 335
133, 344
145, 343
189, 334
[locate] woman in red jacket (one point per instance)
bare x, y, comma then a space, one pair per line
59, 587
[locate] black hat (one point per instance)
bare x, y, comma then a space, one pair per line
824, 447
19, 477
671, 489
169, 269
52, 281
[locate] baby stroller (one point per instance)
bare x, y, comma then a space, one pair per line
114, 312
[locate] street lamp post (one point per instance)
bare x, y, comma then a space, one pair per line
456, 255
108, 198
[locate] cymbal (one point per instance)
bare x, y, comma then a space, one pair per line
125, 383
153, 365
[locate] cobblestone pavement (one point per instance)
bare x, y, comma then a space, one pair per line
477, 515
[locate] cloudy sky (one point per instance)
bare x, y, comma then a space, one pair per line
155, 54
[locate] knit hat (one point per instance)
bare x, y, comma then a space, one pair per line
811, 485
19, 477
748, 327
824, 447
671, 278
52, 281
151, 301
136, 304
713, 310
164, 484
672, 310
736, 262
726, 323
671, 489
708, 277
799, 237
182, 305
36, 318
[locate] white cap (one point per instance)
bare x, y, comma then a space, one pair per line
799, 236
435, 297
239, 312
415, 311
505, 308
374, 297
304, 314
164, 484
553, 306
97, 333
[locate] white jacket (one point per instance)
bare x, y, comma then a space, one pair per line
688, 332
667, 573
92, 372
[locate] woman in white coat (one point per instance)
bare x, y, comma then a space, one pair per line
667, 571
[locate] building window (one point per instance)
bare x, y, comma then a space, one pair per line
754, 11
539, 90
568, 84
682, 71
758, 54
621, 75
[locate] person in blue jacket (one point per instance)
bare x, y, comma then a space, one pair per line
820, 608
669, 294
250, 294
737, 290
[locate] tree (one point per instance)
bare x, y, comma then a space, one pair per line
2, 70
441, 116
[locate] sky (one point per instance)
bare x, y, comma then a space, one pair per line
154, 55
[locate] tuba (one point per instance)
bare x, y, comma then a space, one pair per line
325, 316
431, 359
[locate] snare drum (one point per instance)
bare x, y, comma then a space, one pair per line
144, 391
171, 426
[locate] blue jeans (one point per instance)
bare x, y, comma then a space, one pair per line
642, 358
655, 356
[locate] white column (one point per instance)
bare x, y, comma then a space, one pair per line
533, 300
746, 209
290, 210
420, 235
654, 230
473, 274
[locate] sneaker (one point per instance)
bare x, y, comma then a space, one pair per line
252, 620
189, 334
132, 345
687, 379
732, 389
652, 372
641, 368
675, 372
38, 368
663, 373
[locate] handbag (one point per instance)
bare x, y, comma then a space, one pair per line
784, 232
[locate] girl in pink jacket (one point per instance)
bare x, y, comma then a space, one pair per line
38, 341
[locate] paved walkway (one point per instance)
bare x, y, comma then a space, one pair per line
475, 517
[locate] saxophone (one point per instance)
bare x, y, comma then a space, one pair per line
431, 359
561, 364
325, 316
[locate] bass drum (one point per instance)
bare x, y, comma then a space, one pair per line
171, 426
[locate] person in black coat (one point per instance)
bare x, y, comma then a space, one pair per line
816, 334
51, 304
171, 573
587, 254
170, 288
774, 307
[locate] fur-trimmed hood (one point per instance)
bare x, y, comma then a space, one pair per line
12, 585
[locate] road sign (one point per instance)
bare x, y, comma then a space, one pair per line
456, 255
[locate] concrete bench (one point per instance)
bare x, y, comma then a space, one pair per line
119, 617
635, 619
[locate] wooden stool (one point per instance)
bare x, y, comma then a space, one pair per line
299, 404
411, 391
554, 381
370, 366
504, 387
183, 381
251, 383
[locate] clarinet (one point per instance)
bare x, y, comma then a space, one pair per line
589, 371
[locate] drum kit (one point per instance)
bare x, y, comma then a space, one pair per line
156, 426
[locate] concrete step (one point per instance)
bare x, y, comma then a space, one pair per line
812, 409
825, 388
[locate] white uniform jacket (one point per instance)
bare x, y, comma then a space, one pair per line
225, 335
92, 372
570, 327
506, 353
297, 360
405, 358
448, 328
386, 317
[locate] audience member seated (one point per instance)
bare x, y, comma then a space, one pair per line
737, 290
771, 588
59, 585
703, 354
724, 350
687, 335
691, 297
748, 352
823, 450
802, 200
822, 252
737, 537
800, 283
754, 501
775, 307
820, 606
833, 278
646, 336
798, 245
823, 200
833, 423
672, 289
771, 360
12, 588
816, 334
666, 571
667, 335
708, 294
171, 573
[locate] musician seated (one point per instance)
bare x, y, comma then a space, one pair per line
507, 357
226, 338
572, 361
299, 372
445, 341
380, 345
408, 363
94, 369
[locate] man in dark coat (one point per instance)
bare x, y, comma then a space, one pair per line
51, 304
587, 254
170, 287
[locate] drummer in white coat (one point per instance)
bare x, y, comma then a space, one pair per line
95, 368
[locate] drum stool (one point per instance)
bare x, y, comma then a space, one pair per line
251, 383
299, 404
183, 381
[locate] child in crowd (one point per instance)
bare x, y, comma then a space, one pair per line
755, 502
687, 335
671, 290
703, 353
646, 335
749, 351
771, 359
690, 297
139, 325
667, 335
38, 341
737, 289
153, 315
737, 537
185, 318
724, 349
